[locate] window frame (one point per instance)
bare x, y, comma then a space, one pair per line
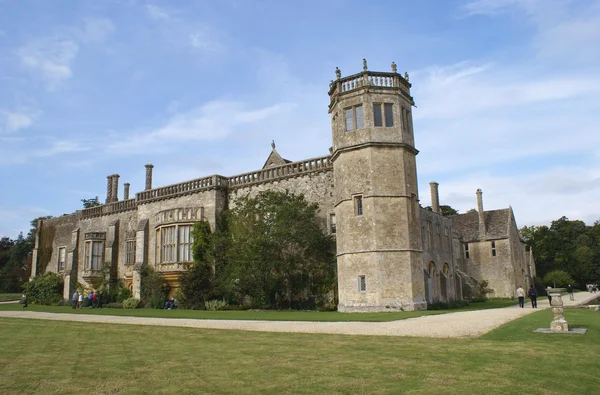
493, 244
386, 117
358, 205
59, 267
362, 283
467, 250
172, 244
354, 118
332, 224
130, 250
90, 255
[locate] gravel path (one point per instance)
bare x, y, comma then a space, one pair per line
455, 325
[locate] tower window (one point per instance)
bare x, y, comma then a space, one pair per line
332, 226
362, 283
355, 118
467, 251
493, 248
387, 115
358, 205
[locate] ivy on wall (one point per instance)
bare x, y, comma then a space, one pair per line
45, 248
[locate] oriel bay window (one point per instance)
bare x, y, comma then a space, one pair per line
174, 243
94, 254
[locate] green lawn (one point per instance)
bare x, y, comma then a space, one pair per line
263, 315
66, 357
6, 297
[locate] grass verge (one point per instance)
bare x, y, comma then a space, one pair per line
65, 357
329, 316
8, 297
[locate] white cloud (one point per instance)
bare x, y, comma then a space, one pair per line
12, 121
537, 197
213, 121
157, 13
15, 153
49, 59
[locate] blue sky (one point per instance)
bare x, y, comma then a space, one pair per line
507, 91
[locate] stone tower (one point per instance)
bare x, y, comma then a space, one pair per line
379, 252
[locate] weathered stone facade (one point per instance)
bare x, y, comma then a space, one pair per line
391, 253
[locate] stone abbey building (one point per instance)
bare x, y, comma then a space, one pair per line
391, 253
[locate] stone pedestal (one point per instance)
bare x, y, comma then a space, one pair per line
558, 324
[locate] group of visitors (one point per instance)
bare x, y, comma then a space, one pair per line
94, 300
592, 288
532, 296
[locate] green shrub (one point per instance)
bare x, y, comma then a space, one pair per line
45, 289
124, 293
214, 305
479, 299
558, 277
114, 305
131, 303
154, 290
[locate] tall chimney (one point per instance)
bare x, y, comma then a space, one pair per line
126, 191
115, 187
435, 197
480, 212
108, 189
149, 176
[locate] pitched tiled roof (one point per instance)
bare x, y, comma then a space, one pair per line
496, 224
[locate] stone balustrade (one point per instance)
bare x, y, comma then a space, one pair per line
172, 267
110, 208
182, 188
283, 171
368, 78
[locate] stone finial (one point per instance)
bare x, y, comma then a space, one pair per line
406, 76
273, 144
338, 73
148, 176
365, 64
394, 68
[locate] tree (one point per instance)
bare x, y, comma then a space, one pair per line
445, 209
278, 254
568, 246
88, 203
558, 278
197, 283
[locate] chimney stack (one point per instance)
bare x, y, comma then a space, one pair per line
126, 191
108, 189
149, 176
435, 197
480, 212
115, 187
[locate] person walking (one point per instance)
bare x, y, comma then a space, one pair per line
521, 296
533, 297
570, 292
90, 296
75, 299
99, 299
80, 300
548, 289
94, 299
